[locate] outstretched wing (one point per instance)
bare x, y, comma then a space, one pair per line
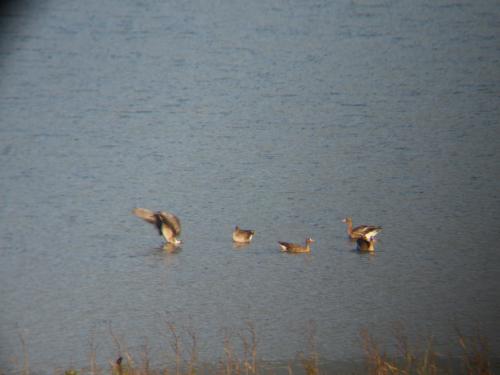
145, 214
172, 221
364, 229
370, 231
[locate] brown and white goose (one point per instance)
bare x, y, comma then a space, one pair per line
366, 231
242, 235
296, 248
168, 225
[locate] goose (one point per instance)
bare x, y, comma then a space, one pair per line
365, 244
168, 225
367, 231
242, 235
296, 248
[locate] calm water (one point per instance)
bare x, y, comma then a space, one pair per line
281, 116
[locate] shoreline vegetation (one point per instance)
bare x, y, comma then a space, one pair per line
241, 357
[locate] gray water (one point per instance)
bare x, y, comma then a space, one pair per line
280, 116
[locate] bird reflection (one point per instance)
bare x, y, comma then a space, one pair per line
171, 248
240, 245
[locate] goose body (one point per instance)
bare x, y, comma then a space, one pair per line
361, 231
365, 244
296, 248
168, 225
242, 235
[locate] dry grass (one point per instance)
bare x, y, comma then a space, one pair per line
240, 357
474, 360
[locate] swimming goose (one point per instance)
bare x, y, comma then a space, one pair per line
242, 235
365, 244
168, 225
295, 248
367, 231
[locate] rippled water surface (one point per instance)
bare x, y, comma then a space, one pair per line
280, 116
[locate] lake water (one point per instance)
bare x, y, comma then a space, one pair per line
280, 116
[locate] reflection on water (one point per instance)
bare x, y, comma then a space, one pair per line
285, 116
241, 245
171, 248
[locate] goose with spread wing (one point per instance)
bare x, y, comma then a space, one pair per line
168, 225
